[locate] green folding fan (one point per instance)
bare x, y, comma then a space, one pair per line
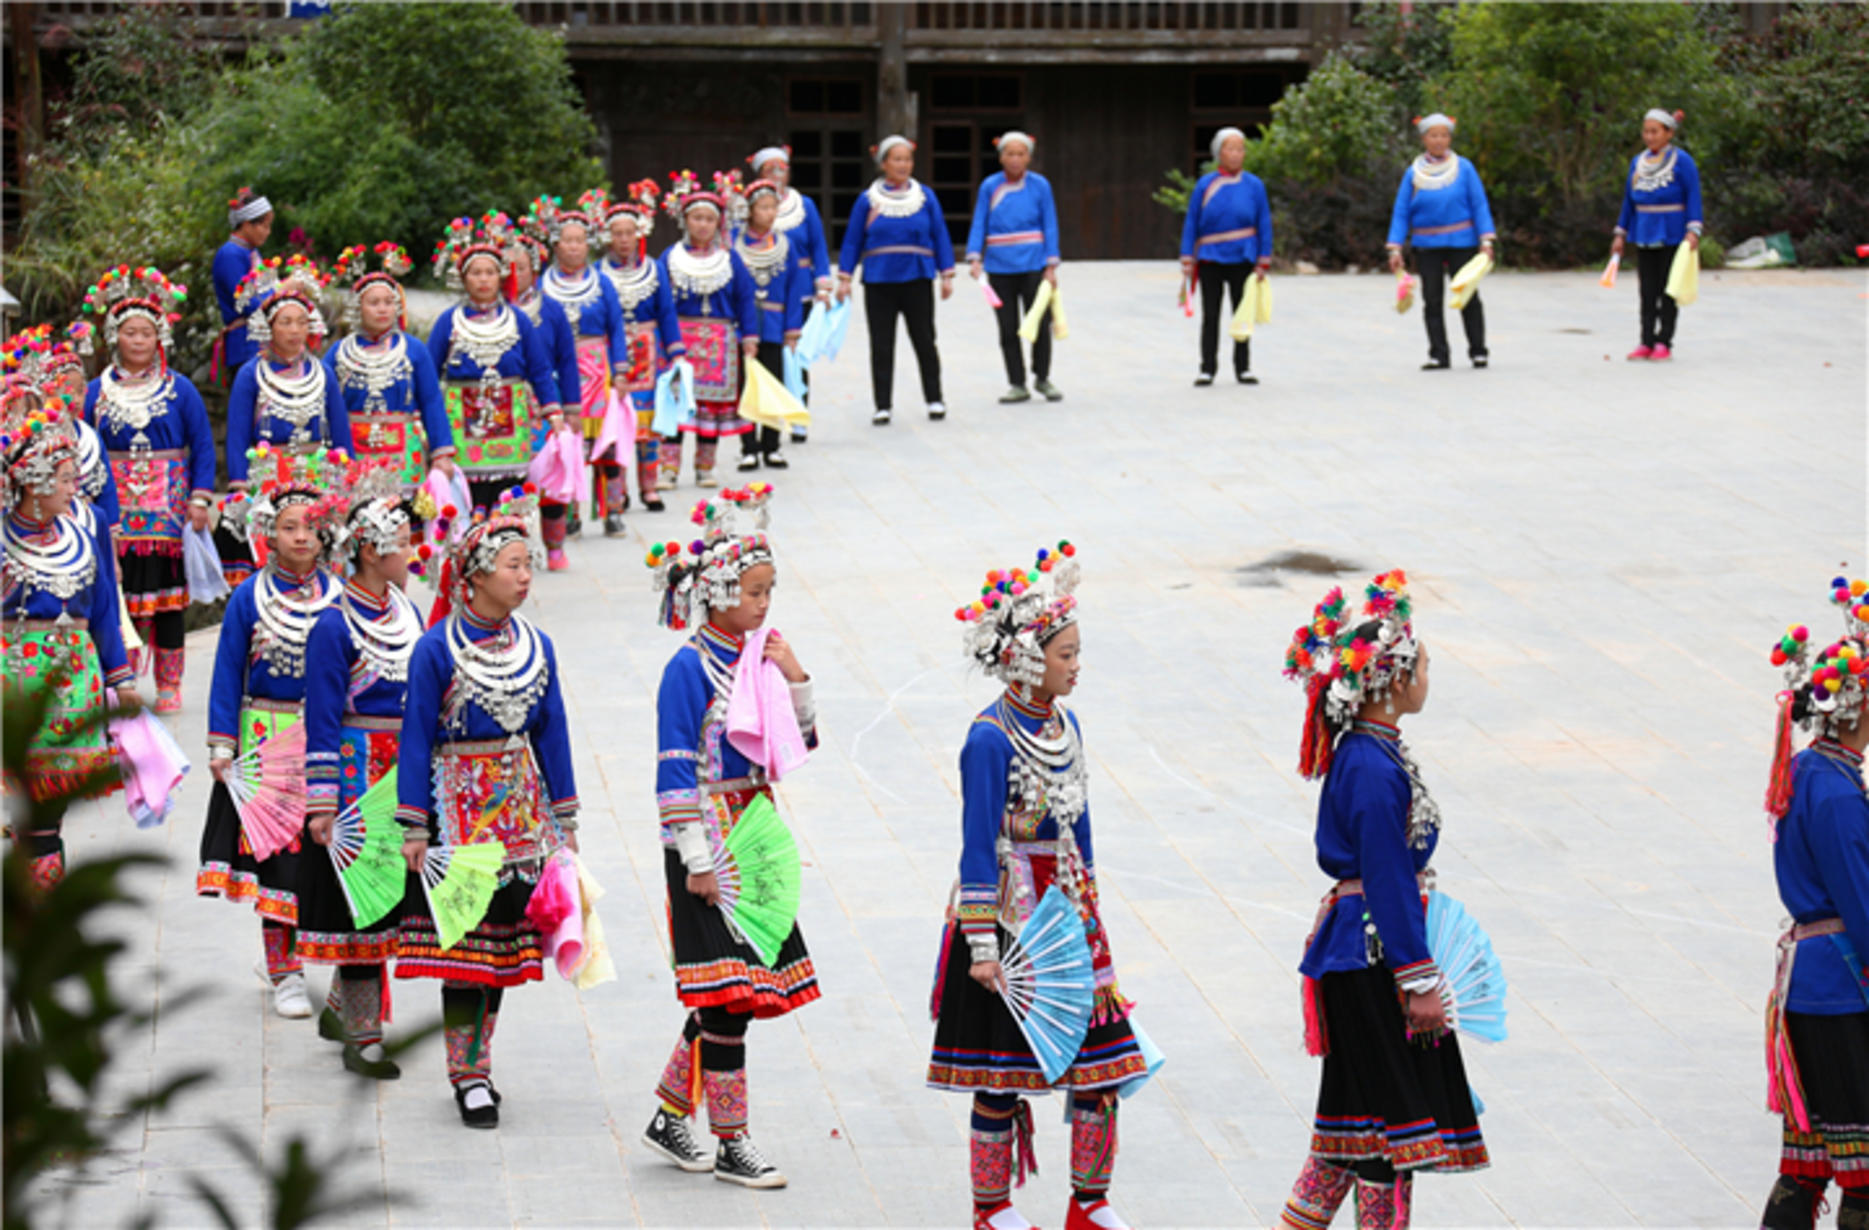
459, 883
366, 850
760, 875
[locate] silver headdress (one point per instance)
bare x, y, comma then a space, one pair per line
1018, 611
708, 573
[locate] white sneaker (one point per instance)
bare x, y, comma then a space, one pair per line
289, 998
881, 417
937, 411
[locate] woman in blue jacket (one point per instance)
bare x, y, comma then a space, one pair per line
899, 237
1660, 211
1015, 239
1228, 234
1441, 209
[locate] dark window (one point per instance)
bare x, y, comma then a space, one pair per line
830, 146
976, 92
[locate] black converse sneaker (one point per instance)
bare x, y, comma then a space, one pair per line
740, 1161
479, 1104
669, 1135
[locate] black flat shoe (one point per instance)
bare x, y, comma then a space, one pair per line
376, 1069
482, 1117
1479, 360
330, 1028
1432, 366
1203, 380
1246, 377
651, 504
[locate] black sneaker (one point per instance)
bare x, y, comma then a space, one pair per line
1203, 380
775, 460
485, 1113
1246, 377
1479, 360
1436, 365
669, 1135
800, 435
881, 417
330, 1026
613, 525
749, 461
739, 1161
362, 1061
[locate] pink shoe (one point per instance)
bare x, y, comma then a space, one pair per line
1641, 352
555, 560
168, 700
1660, 353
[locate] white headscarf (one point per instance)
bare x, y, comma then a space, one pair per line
888, 143
258, 207
1437, 120
1665, 118
1024, 138
772, 153
1221, 137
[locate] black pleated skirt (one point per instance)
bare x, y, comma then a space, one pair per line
229, 870
713, 969
1833, 1067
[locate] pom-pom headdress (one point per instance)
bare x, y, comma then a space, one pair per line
758, 186
514, 518
1344, 661
37, 432
264, 286
123, 291
708, 571
638, 202
39, 357
1018, 611
279, 479
467, 239
373, 489
358, 268
1826, 690
686, 192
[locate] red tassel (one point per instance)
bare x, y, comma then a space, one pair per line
1778, 791
1316, 1035
389, 1015
443, 605
1025, 1157
1315, 743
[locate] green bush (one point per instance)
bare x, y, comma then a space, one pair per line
1339, 121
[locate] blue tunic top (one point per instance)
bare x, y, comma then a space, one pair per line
339, 683
897, 249
526, 360
800, 222
431, 679
178, 421
241, 669
1362, 833
599, 316
232, 262
97, 484
1661, 213
249, 421
1822, 861
788, 288
655, 307
691, 748
1452, 214
733, 302
1229, 220
560, 342
1014, 225
415, 389
92, 605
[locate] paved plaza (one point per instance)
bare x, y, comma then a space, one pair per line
1601, 554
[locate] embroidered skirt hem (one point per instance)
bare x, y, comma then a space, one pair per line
229, 870
153, 584
1833, 1066
715, 970
503, 951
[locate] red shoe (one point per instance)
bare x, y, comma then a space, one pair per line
1641, 352
1000, 1217
1660, 353
555, 560
168, 700
1097, 1216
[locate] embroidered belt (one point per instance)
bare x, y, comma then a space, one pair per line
897, 249
756, 780
1245, 232
1811, 930
48, 625
1660, 209
370, 721
154, 454
1449, 229
267, 705
479, 747
804, 262
1015, 237
475, 382
772, 307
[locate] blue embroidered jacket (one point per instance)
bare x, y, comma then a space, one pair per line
897, 249
1453, 214
1015, 226
1229, 220
1822, 861
1660, 216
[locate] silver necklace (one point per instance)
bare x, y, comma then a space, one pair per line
569, 295
93, 470
385, 640
765, 261
373, 369
1047, 767
296, 400
1432, 175
1424, 815
791, 211
903, 204
504, 675
286, 620
487, 339
129, 403
699, 275
633, 284
1653, 171
56, 562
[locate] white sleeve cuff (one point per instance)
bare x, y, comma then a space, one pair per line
804, 708
691, 844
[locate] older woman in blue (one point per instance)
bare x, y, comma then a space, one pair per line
1025, 829
495, 368
250, 222
649, 324
258, 690
1228, 234
1660, 211
781, 289
63, 642
485, 732
356, 685
1817, 1018
1387, 1107
1015, 240
1441, 209
385, 374
713, 294
899, 238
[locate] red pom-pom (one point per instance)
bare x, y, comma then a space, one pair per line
450, 511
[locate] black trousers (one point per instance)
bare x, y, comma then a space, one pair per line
1016, 293
1216, 279
763, 440
1658, 307
914, 302
1437, 266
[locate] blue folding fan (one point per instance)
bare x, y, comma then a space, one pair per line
1049, 983
1475, 979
